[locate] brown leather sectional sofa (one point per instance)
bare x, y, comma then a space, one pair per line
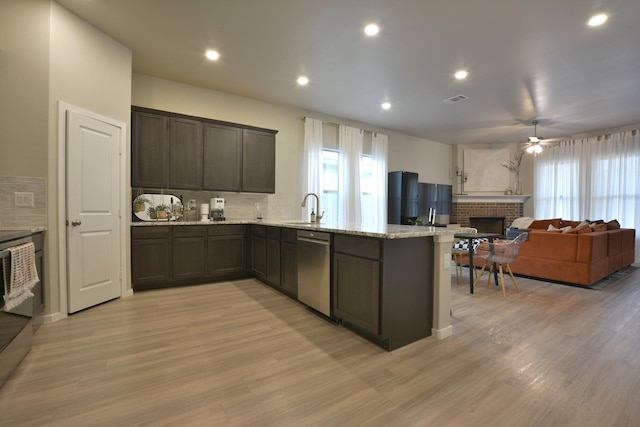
572, 254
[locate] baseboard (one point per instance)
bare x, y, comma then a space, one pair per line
442, 333
50, 318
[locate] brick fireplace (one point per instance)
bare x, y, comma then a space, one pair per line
466, 207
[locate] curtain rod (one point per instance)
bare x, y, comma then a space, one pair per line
375, 132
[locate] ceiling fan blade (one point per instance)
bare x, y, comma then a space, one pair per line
530, 86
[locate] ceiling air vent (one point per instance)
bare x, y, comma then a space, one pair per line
455, 99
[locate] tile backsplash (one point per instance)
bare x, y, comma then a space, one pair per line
19, 217
240, 206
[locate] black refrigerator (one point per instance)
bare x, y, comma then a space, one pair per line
434, 196
403, 197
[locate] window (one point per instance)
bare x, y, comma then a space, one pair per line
330, 186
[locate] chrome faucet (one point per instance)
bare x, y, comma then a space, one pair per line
318, 214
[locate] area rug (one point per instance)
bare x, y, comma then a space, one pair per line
614, 278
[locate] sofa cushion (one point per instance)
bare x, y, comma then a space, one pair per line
543, 224
613, 225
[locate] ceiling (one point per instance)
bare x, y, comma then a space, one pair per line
527, 59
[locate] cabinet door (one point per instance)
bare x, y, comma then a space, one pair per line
273, 262
222, 157
356, 291
226, 255
258, 161
289, 272
150, 261
185, 154
188, 257
149, 150
259, 256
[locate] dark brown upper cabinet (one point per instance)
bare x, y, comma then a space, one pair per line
149, 150
222, 157
171, 150
258, 161
185, 156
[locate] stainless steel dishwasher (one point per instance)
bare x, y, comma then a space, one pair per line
314, 270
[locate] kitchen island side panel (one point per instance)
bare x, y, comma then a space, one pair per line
407, 290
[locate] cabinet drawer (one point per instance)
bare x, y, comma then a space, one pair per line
189, 231
273, 233
226, 230
153, 232
289, 235
358, 246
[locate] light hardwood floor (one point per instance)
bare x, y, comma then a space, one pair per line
240, 353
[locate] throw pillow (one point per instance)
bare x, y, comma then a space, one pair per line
544, 223
613, 225
566, 229
522, 223
582, 230
598, 227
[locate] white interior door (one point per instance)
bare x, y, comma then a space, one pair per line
93, 210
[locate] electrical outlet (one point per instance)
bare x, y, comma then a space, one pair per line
23, 199
446, 261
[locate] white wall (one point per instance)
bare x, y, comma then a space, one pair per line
24, 83
431, 160
88, 70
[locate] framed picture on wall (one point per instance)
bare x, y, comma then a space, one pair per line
485, 173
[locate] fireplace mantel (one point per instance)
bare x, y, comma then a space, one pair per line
496, 198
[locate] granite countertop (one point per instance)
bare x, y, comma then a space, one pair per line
386, 231
6, 235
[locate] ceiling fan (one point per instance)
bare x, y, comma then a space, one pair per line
534, 146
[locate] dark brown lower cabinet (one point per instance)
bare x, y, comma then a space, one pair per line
356, 292
289, 270
163, 256
272, 243
226, 250
188, 246
383, 288
150, 262
259, 251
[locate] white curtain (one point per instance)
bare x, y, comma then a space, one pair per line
379, 150
311, 170
592, 178
349, 194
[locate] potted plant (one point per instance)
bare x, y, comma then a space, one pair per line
153, 212
162, 211
138, 203
514, 167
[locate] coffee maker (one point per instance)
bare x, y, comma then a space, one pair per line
216, 204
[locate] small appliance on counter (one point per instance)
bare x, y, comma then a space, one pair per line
217, 209
204, 212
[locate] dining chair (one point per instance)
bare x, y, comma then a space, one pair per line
459, 249
499, 253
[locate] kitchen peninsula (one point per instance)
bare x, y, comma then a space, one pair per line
389, 283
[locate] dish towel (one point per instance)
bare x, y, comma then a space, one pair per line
20, 274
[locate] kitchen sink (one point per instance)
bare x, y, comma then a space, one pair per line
300, 222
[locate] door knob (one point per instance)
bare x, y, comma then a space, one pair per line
76, 223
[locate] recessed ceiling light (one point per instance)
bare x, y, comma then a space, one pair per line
371, 29
597, 20
212, 55
386, 105
303, 80
461, 74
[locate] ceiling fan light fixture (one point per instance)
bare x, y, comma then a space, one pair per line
534, 149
